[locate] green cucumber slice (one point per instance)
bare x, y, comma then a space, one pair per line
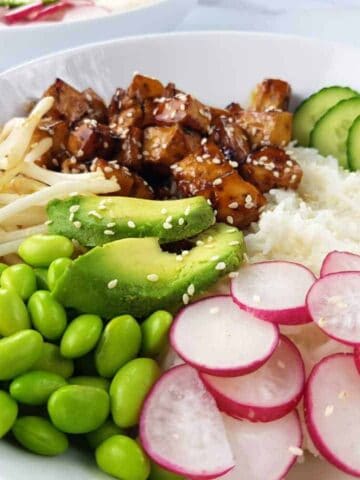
330, 133
353, 145
314, 107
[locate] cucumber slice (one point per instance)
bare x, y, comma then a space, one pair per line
314, 107
330, 133
353, 145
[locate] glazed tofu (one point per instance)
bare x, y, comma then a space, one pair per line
70, 104
209, 174
164, 146
185, 110
130, 154
271, 167
266, 128
231, 138
97, 109
90, 139
143, 88
58, 131
271, 94
130, 184
124, 112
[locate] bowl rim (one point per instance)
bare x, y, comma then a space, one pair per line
196, 34
115, 14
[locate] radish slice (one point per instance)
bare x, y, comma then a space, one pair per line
263, 450
340, 262
269, 393
21, 14
52, 10
274, 291
357, 358
215, 336
333, 304
332, 411
181, 428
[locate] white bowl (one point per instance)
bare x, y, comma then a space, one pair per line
25, 42
217, 67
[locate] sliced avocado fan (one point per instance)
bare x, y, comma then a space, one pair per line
135, 276
95, 221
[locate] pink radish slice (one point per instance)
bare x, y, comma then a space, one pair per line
269, 393
333, 303
335, 262
181, 428
357, 358
263, 450
22, 14
52, 10
274, 291
215, 336
332, 411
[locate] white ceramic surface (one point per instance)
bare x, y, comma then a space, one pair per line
22, 43
217, 67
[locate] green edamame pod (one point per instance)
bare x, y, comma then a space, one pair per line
107, 430
159, 473
129, 388
88, 381
41, 250
19, 352
51, 360
78, 409
41, 278
119, 343
39, 436
47, 315
123, 458
81, 336
35, 388
8, 412
56, 269
21, 278
155, 331
14, 316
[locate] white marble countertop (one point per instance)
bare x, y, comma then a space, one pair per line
336, 20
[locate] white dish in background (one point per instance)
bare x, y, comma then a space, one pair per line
20, 43
217, 67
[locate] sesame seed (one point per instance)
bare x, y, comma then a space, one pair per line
329, 410
131, 224
216, 161
73, 194
94, 213
322, 322
230, 219
233, 205
233, 164
187, 211
74, 208
77, 224
290, 163
191, 289
163, 211
343, 395
233, 243
299, 452
256, 298
217, 181
214, 310
179, 258
71, 217
233, 274
214, 258
210, 238
80, 153
280, 364
184, 253
111, 224
153, 277
169, 219
293, 178
203, 141
102, 207
220, 266
109, 232
199, 243
209, 202
112, 283
167, 226
231, 230
276, 174
48, 222
185, 299
181, 221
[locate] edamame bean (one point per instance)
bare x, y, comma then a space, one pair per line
13, 313
129, 389
56, 270
123, 458
107, 430
51, 360
41, 250
96, 382
81, 336
78, 409
119, 343
3, 267
41, 278
47, 315
159, 473
8, 413
19, 352
155, 331
39, 436
20, 278
35, 388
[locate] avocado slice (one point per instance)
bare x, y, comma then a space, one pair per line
136, 277
95, 220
